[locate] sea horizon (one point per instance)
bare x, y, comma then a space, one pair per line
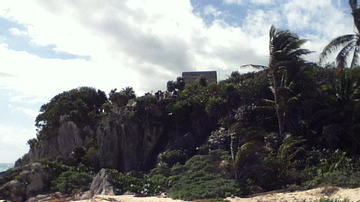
6, 166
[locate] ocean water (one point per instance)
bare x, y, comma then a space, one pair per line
5, 166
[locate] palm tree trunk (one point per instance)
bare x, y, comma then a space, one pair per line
279, 113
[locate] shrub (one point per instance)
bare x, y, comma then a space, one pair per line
72, 180
161, 169
172, 157
198, 180
78, 153
55, 166
328, 168
202, 185
177, 169
90, 158
126, 182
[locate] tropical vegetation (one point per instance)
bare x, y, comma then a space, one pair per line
293, 125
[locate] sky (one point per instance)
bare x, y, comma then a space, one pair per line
51, 46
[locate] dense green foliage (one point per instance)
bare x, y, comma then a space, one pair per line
200, 180
71, 180
68, 179
80, 105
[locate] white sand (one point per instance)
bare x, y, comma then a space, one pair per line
310, 195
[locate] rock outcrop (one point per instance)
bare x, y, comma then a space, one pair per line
123, 141
101, 183
32, 180
13, 191
61, 144
127, 145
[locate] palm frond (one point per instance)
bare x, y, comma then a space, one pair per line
299, 53
272, 32
288, 149
246, 150
353, 4
356, 16
343, 55
294, 44
355, 59
270, 101
335, 44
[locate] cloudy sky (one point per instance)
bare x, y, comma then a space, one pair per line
51, 46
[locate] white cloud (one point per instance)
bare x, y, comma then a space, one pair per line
18, 32
320, 16
318, 21
132, 43
258, 22
13, 142
30, 112
38, 77
248, 1
28, 99
211, 10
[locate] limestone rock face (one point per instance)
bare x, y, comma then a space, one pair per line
123, 142
62, 142
101, 183
68, 137
128, 145
37, 179
186, 143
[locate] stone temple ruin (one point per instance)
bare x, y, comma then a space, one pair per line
190, 77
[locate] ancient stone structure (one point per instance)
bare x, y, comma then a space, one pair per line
190, 77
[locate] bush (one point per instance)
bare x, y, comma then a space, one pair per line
328, 168
200, 181
91, 157
72, 180
172, 157
126, 182
177, 169
55, 166
161, 169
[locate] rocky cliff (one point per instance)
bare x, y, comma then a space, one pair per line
123, 143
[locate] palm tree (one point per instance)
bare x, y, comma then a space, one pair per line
129, 92
337, 122
350, 43
284, 64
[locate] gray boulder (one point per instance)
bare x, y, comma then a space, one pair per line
101, 184
13, 191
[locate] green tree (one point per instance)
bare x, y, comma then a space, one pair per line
348, 43
201, 80
120, 99
79, 105
129, 92
285, 55
337, 122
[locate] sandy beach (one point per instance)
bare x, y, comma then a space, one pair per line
309, 195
